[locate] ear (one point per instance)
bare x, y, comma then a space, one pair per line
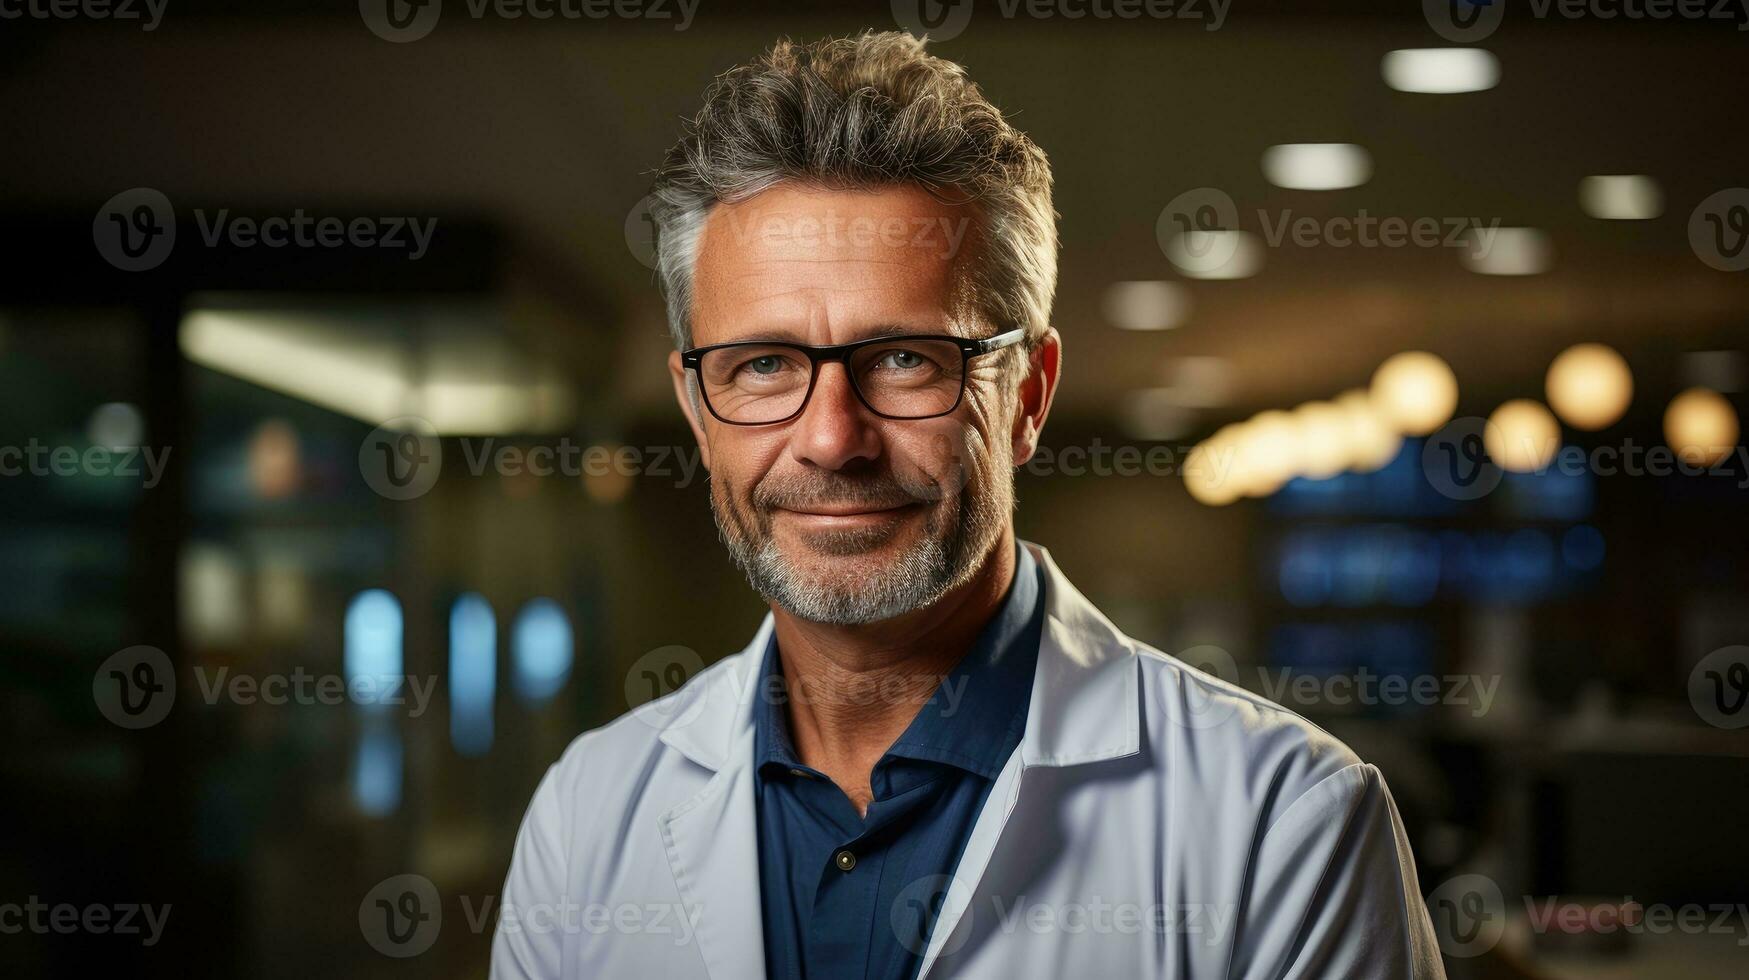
1037, 390
683, 395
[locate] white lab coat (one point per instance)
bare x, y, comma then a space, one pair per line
1154, 822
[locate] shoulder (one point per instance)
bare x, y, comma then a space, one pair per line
1245, 748
611, 765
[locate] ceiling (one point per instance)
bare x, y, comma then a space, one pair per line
551, 127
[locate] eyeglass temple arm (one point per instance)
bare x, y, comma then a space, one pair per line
1001, 340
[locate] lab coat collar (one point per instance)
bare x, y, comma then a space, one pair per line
1084, 706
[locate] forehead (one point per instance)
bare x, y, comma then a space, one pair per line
828, 266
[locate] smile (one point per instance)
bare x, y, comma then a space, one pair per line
855, 515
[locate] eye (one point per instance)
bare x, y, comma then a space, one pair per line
904, 360
765, 365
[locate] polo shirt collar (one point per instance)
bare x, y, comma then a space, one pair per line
977, 715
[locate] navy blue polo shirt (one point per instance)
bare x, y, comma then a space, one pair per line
849, 897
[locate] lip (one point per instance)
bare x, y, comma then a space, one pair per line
847, 511
848, 514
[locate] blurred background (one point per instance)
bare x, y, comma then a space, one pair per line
1404, 372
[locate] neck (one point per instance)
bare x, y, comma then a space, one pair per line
854, 689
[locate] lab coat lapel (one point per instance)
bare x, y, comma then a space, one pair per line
974, 859
712, 842
1084, 709
712, 839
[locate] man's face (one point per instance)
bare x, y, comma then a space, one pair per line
839, 515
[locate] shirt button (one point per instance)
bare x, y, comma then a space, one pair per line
800, 772
845, 860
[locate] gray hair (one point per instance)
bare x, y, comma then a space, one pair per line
870, 111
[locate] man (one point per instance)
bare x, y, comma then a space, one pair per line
936, 758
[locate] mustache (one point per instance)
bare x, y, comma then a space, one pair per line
874, 492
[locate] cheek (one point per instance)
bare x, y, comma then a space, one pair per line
951, 457
740, 460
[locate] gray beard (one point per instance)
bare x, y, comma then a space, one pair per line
944, 559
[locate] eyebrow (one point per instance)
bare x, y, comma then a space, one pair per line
877, 332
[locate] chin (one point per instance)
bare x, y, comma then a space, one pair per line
806, 541
856, 577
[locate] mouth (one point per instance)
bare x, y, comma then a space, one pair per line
847, 515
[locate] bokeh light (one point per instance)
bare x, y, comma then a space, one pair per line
1317, 166
1522, 436
1372, 442
1216, 254
1324, 439
1508, 252
1209, 468
1701, 426
1146, 305
1416, 392
274, 460
1440, 71
1621, 197
1589, 386
1268, 453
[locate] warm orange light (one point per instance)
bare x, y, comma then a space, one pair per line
1415, 391
1209, 468
1268, 453
1589, 386
1324, 448
273, 460
1701, 426
1372, 442
1521, 436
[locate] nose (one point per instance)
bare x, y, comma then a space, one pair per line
835, 429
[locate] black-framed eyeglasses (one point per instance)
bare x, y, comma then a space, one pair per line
761, 382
